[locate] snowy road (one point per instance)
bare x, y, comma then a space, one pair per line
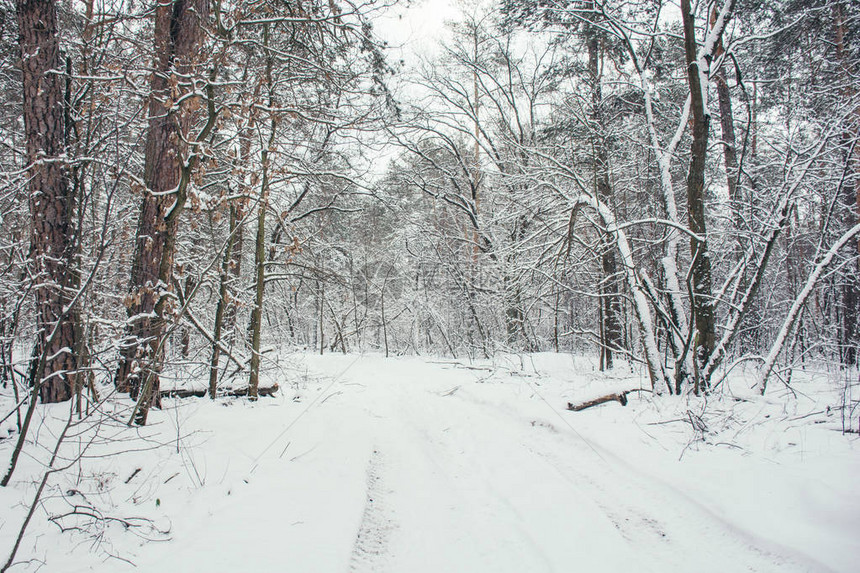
412, 466
487, 477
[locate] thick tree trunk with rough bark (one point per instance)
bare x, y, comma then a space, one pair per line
178, 34
52, 202
702, 304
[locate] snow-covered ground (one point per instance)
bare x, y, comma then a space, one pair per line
363, 463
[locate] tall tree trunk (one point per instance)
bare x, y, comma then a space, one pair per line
669, 262
727, 127
241, 205
178, 34
609, 300
702, 303
223, 303
260, 276
730, 156
234, 269
52, 200
640, 303
260, 247
849, 331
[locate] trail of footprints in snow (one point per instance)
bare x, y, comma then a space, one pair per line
369, 550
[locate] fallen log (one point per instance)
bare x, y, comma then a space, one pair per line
233, 393
620, 397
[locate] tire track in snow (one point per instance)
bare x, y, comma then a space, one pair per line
370, 548
468, 448
682, 524
627, 498
496, 482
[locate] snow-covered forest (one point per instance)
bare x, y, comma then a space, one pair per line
511, 285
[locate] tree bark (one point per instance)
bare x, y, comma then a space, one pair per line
260, 286
178, 35
223, 303
730, 155
849, 329
727, 127
702, 303
260, 247
609, 300
240, 206
52, 201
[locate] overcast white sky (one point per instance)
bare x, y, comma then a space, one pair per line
415, 27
